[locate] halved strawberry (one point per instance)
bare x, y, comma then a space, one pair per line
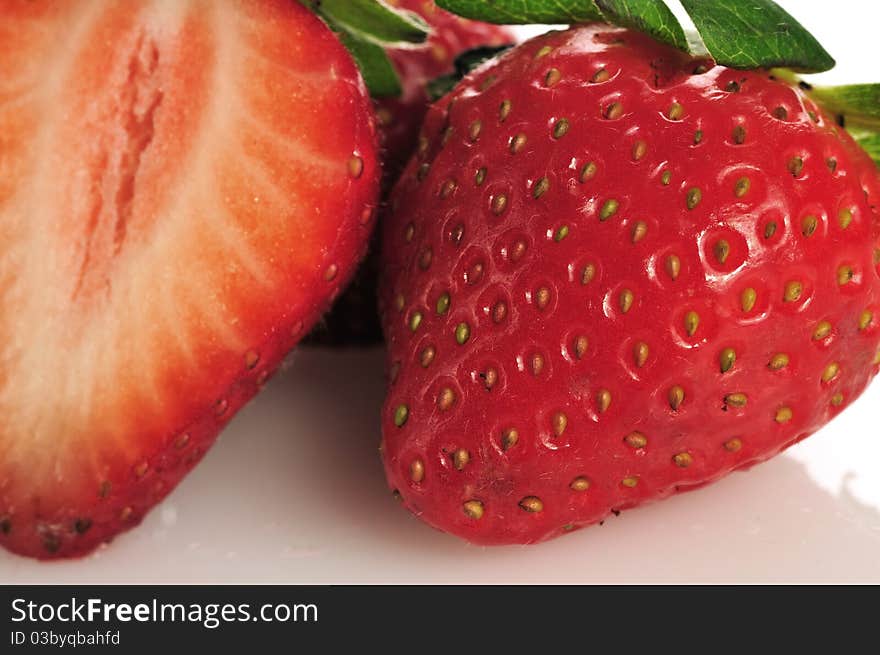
184, 187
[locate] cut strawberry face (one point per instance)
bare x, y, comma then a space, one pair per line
612, 273
184, 187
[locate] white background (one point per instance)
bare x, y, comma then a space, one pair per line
294, 491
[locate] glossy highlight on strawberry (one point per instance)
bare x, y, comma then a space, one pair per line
611, 273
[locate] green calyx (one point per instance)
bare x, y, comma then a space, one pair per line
753, 34
367, 28
868, 140
464, 64
856, 107
373, 21
735, 33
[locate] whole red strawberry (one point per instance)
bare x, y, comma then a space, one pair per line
613, 273
184, 187
353, 319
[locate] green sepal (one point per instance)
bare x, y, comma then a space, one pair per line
858, 104
376, 68
856, 107
652, 17
525, 12
756, 34
366, 28
373, 21
736, 33
464, 64
869, 140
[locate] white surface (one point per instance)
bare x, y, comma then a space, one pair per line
294, 491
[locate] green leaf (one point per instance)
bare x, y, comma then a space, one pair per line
376, 68
372, 21
737, 33
869, 141
856, 107
464, 64
857, 104
440, 86
756, 34
366, 28
524, 12
650, 16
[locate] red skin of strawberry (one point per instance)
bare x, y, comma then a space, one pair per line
594, 355
176, 210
